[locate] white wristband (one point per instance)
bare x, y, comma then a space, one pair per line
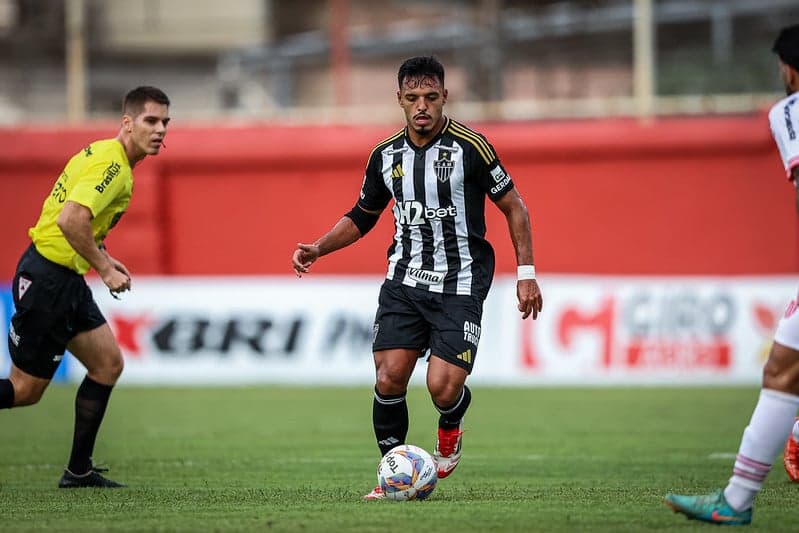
525, 272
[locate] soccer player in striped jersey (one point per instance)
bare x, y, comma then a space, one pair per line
774, 417
55, 309
438, 172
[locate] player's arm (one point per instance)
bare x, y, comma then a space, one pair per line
527, 290
347, 230
75, 222
372, 200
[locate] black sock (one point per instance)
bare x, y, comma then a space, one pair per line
6, 394
451, 416
390, 420
90, 404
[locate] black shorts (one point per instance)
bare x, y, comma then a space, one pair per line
53, 304
446, 324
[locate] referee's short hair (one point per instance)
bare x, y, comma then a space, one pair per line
421, 67
134, 101
787, 46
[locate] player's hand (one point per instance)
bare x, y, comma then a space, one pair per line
530, 299
115, 284
120, 267
303, 258
115, 280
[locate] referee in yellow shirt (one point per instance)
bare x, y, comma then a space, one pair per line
55, 309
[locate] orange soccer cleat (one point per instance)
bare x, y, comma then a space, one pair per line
790, 457
448, 450
376, 494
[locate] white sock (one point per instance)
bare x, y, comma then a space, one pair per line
795, 431
764, 437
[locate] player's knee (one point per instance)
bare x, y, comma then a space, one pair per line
26, 394
388, 383
781, 371
110, 368
115, 365
775, 378
444, 393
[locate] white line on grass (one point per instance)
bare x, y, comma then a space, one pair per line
722, 455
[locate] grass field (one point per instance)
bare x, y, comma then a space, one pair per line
294, 459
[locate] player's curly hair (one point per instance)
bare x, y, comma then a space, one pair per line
421, 67
134, 101
787, 46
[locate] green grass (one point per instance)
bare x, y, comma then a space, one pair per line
295, 459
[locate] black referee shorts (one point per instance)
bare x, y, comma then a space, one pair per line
447, 324
53, 304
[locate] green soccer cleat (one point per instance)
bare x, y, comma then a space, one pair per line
711, 508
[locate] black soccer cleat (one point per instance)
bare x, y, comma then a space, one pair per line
92, 478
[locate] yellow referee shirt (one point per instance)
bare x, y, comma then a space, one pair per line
100, 178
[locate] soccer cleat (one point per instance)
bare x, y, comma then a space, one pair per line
711, 508
448, 450
92, 478
790, 458
376, 494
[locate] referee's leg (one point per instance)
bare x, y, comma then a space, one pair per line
99, 352
21, 389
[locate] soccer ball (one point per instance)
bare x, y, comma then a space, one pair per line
407, 472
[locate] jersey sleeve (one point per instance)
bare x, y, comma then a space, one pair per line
784, 121
97, 187
374, 194
493, 177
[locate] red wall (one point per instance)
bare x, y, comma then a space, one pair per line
673, 196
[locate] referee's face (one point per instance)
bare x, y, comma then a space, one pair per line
422, 99
148, 129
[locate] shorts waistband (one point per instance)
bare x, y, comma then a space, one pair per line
61, 268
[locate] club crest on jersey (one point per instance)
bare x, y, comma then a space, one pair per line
22, 287
443, 169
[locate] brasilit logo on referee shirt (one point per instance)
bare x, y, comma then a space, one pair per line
108, 176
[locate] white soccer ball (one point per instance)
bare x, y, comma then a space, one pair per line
407, 472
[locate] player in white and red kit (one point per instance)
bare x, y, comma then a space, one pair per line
774, 418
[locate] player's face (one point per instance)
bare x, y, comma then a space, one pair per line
148, 128
422, 100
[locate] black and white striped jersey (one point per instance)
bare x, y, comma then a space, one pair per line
439, 193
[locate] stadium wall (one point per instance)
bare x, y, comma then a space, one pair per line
667, 197
666, 252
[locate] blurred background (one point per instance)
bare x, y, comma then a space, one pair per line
664, 228
321, 60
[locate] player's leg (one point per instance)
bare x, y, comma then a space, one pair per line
768, 429
400, 336
451, 397
38, 330
393, 369
447, 386
455, 333
21, 388
98, 351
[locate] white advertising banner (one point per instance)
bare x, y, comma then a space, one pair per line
654, 330
594, 330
